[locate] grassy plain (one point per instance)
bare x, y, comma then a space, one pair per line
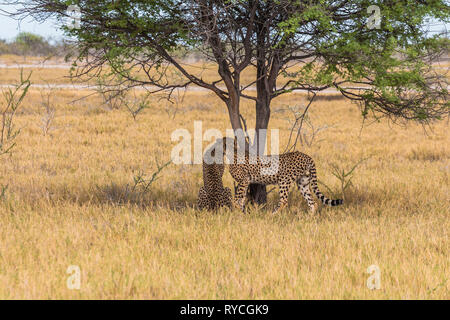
69, 201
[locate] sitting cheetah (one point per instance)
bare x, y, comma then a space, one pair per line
213, 195
283, 170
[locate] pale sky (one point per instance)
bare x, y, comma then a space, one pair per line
9, 28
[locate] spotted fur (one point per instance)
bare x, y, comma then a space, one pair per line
213, 195
283, 170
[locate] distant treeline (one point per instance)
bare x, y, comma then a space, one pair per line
30, 44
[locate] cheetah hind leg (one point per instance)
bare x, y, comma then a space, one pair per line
241, 195
303, 185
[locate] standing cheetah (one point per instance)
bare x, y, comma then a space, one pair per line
283, 170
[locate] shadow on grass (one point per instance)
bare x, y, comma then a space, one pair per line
364, 195
117, 194
114, 194
120, 194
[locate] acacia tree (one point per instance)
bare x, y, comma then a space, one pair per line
386, 68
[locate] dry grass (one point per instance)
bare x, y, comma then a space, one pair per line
67, 203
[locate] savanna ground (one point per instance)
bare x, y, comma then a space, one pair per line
70, 199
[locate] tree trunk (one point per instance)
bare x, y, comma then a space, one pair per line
258, 192
233, 113
264, 84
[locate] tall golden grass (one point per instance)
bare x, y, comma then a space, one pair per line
69, 201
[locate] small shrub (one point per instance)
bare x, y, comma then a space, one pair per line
344, 176
13, 98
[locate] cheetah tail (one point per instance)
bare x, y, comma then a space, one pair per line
315, 188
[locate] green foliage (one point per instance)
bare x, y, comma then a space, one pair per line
391, 59
391, 62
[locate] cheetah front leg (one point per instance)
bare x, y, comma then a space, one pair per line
284, 195
226, 198
203, 199
303, 185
